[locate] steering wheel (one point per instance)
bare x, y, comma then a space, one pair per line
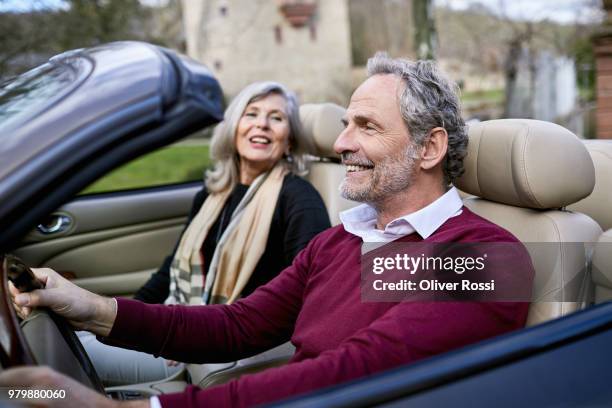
44, 338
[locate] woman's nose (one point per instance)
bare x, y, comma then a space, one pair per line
262, 122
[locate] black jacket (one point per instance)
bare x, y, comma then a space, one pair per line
299, 215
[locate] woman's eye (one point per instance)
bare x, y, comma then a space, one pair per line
250, 114
277, 118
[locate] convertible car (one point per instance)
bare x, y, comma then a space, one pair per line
72, 121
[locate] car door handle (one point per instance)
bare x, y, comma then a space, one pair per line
54, 224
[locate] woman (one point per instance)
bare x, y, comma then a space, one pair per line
253, 216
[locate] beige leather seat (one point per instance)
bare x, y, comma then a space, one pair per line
602, 267
322, 122
523, 172
598, 205
519, 174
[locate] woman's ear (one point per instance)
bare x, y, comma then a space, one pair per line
435, 148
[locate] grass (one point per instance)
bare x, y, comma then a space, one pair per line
491, 95
174, 164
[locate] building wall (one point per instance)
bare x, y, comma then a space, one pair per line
381, 25
603, 55
249, 40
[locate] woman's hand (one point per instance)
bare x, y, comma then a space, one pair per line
172, 363
83, 309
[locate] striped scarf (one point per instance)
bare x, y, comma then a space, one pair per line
238, 251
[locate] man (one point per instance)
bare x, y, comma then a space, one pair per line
403, 144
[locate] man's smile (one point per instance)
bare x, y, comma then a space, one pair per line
351, 168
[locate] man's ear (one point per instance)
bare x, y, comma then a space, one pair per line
434, 149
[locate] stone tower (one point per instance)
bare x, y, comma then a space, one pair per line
302, 44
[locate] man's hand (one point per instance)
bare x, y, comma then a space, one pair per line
76, 394
83, 309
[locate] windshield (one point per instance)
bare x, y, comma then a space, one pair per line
27, 94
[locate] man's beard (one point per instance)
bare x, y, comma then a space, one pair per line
392, 175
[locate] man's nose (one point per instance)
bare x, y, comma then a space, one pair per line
345, 141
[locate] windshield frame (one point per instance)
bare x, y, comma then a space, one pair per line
79, 67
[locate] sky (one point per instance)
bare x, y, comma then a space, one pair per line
29, 5
563, 11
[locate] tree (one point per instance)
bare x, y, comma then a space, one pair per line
91, 22
425, 37
23, 36
29, 38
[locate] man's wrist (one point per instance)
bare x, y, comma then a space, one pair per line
104, 316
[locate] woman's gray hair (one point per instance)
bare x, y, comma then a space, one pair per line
429, 100
226, 171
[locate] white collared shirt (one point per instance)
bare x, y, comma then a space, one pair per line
361, 220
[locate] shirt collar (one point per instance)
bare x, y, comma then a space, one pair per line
361, 220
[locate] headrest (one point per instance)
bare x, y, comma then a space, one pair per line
526, 163
322, 122
597, 205
602, 260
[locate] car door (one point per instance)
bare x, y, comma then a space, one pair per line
110, 239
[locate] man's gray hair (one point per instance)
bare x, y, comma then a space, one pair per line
226, 172
429, 99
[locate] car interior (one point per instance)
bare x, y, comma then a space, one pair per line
536, 179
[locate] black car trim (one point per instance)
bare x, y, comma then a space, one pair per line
140, 190
170, 84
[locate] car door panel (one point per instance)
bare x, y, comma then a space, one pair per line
116, 240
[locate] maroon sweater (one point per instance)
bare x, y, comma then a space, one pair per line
316, 304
